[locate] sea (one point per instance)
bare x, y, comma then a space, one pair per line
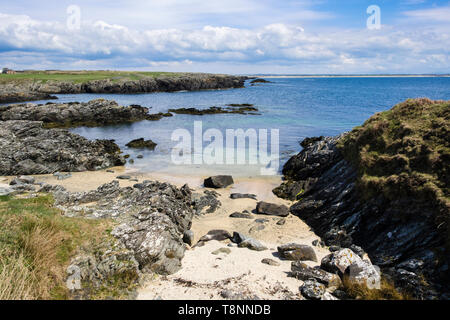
290, 109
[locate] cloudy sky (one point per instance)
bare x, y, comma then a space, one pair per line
232, 36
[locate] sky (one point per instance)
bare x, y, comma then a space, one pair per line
228, 36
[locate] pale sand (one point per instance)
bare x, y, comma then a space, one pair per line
204, 275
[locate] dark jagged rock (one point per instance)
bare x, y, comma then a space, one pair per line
11, 95
272, 209
235, 109
218, 182
205, 203
141, 143
27, 148
218, 235
303, 272
391, 216
99, 112
188, 237
293, 190
259, 81
238, 237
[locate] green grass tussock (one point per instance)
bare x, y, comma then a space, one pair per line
36, 245
405, 152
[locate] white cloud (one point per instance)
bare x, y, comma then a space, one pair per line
28, 43
439, 14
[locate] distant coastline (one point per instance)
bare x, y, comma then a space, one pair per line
351, 76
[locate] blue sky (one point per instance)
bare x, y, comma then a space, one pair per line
234, 36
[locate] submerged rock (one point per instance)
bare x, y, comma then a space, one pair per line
141, 143
239, 109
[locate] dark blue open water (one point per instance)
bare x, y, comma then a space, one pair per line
298, 107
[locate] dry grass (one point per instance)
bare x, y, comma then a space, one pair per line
36, 244
387, 291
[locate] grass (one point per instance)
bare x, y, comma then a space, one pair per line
80, 76
387, 291
405, 152
36, 244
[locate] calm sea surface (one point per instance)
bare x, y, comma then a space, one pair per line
298, 107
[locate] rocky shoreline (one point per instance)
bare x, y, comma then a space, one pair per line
38, 90
26, 147
400, 234
98, 112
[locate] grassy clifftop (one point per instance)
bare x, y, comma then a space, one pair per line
80, 76
405, 152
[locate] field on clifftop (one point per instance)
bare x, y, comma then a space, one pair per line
80, 76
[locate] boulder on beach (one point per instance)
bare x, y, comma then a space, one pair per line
252, 244
241, 215
312, 290
218, 182
297, 252
272, 209
218, 235
303, 272
243, 196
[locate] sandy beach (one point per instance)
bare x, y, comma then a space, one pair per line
234, 274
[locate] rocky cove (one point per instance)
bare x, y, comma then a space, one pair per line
174, 242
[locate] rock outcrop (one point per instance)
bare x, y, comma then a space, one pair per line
383, 187
34, 90
152, 218
27, 148
99, 112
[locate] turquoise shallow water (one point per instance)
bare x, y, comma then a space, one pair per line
298, 107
